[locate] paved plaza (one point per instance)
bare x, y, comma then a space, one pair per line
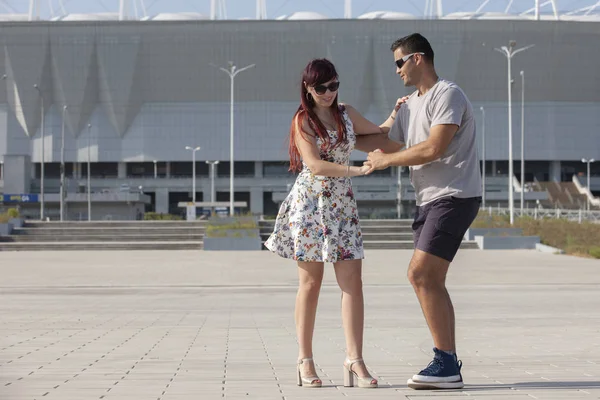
173, 325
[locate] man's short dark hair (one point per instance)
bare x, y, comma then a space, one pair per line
414, 43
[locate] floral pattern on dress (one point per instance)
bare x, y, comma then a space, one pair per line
318, 220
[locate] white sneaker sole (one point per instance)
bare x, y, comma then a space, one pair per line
436, 379
417, 385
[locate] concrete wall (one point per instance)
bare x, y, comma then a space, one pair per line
18, 168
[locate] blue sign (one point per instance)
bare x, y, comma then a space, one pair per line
20, 198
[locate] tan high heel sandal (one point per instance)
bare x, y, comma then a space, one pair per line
311, 381
349, 376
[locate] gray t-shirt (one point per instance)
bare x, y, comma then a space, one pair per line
456, 173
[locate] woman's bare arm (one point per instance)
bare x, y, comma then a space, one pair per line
306, 141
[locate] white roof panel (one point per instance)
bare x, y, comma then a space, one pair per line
88, 17
300, 15
184, 16
387, 15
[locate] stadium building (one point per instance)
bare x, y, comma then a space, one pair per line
123, 97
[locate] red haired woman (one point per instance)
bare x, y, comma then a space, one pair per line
318, 221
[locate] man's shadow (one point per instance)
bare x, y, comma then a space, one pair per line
569, 385
558, 385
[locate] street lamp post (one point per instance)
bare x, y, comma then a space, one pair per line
399, 194
43, 137
89, 181
62, 166
232, 71
509, 52
522, 73
213, 193
212, 179
193, 150
482, 156
588, 162
2, 161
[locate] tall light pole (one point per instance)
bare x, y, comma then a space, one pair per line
193, 150
89, 180
62, 166
42, 133
399, 194
509, 52
2, 161
483, 155
522, 73
588, 162
232, 71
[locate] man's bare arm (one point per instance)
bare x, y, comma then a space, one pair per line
420, 154
368, 143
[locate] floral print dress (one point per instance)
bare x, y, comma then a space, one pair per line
318, 220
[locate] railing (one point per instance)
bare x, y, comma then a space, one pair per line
595, 201
540, 213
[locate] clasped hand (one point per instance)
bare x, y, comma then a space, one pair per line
376, 160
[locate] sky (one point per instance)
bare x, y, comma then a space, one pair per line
247, 8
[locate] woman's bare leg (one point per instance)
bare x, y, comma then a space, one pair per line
310, 276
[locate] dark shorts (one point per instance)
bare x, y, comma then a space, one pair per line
439, 226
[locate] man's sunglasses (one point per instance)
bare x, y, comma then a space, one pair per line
333, 87
400, 62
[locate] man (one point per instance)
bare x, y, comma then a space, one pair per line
437, 127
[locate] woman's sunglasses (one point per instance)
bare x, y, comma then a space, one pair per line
321, 89
400, 62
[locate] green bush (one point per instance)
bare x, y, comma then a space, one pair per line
595, 252
153, 216
232, 227
12, 213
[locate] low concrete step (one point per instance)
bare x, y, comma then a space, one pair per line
84, 231
387, 236
369, 237
364, 229
117, 237
83, 246
386, 229
396, 223
386, 222
406, 245
389, 244
113, 224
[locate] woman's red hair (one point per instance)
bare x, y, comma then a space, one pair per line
317, 71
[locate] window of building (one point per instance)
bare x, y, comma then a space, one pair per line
539, 170
52, 170
101, 170
241, 168
184, 169
140, 169
276, 169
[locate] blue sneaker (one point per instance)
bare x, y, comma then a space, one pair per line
443, 372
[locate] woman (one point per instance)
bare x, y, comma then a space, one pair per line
318, 221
